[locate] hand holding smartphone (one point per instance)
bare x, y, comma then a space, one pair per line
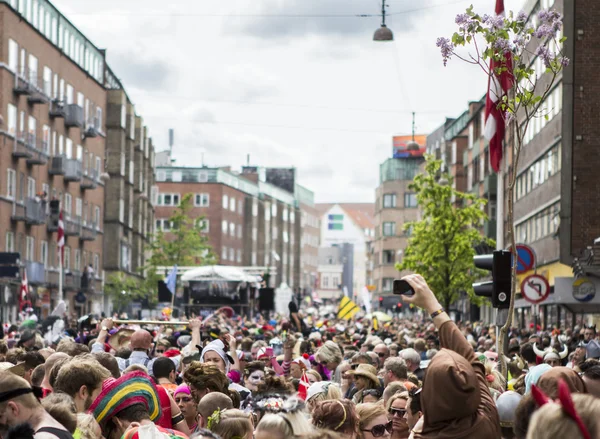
269, 352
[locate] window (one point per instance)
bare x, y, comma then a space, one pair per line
539, 171
10, 242
13, 55
239, 231
239, 256
325, 281
410, 199
274, 210
30, 187
121, 210
232, 229
542, 224
224, 254
168, 199
11, 120
33, 69
232, 204
202, 200
44, 253
125, 256
387, 257
70, 94
29, 248
97, 217
387, 283
292, 217
47, 81
471, 134
69, 148
225, 202
67, 258
204, 225
454, 153
284, 214
32, 130
336, 222
224, 227
68, 204
241, 207
254, 208
11, 184
389, 229
254, 234
389, 201
78, 207
77, 260
96, 265
254, 258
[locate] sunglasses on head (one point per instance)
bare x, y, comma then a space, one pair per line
379, 430
397, 412
372, 392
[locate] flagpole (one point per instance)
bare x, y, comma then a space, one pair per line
60, 277
500, 207
173, 293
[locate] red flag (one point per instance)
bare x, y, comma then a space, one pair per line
60, 239
498, 86
303, 387
24, 291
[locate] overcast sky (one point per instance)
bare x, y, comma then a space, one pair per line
290, 82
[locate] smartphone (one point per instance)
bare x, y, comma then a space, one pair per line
269, 352
402, 287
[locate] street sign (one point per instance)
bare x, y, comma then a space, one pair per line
535, 289
525, 258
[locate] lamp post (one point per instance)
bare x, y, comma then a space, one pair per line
383, 33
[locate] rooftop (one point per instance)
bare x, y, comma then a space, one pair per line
362, 214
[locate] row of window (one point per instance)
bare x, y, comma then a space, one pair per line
389, 229
26, 246
26, 66
230, 254
230, 204
231, 228
540, 171
330, 281
389, 200
46, 19
51, 142
166, 225
549, 109
27, 188
542, 224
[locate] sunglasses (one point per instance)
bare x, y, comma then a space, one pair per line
372, 392
379, 430
397, 412
381, 354
354, 366
160, 352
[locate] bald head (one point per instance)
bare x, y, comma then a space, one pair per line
141, 339
211, 402
49, 364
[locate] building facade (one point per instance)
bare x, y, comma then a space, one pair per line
395, 205
248, 221
54, 141
350, 223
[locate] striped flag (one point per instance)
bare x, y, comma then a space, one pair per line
24, 291
498, 86
347, 308
60, 239
303, 386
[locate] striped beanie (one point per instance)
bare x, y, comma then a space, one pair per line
117, 394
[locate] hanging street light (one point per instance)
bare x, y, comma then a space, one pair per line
383, 33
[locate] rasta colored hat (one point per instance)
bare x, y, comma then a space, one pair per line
117, 394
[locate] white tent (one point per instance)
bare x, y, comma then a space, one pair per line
218, 273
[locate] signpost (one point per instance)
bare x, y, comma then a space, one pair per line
525, 258
535, 289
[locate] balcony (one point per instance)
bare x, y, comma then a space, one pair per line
74, 116
89, 231
32, 212
90, 179
490, 185
34, 150
72, 226
73, 280
90, 283
36, 273
92, 128
57, 109
28, 83
69, 168
52, 276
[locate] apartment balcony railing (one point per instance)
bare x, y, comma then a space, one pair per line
36, 273
72, 280
72, 226
89, 179
89, 231
35, 151
74, 116
52, 276
31, 211
57, 108
70, 169
29, 83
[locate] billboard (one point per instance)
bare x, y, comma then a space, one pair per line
400, 146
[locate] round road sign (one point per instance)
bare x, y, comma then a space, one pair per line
535, 289
525, 258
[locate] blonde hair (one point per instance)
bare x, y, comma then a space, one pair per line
393, 388
9, 381
87, 426
498, 383
550, 421
394, 397
329, 353
135, 367
315, 374
333, 392
286, 425
62, 408
232, 423
369, 411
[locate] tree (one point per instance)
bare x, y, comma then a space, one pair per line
507, 47
123, 289
441, 246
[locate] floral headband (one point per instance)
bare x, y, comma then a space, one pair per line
566, 403
275, 403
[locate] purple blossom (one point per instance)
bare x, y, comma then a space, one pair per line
564, 61
462, 19
544, 31
495, 22
520, 41
550, 23
521, 17
546, 56
446, 47
502, 45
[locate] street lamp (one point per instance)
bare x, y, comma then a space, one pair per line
383, 33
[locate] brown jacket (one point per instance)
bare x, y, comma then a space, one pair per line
456, 400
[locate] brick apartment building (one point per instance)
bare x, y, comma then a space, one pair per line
249, 222
556, 194
53, 141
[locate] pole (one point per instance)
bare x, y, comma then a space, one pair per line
500, 208
60, 276
173, 296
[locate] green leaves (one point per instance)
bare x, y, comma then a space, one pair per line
441, 247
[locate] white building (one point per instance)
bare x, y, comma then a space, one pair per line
351, 223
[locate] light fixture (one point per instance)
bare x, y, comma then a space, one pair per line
383, 33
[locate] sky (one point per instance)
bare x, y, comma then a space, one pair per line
291, 83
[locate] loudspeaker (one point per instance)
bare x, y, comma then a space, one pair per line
164, 294
266, 299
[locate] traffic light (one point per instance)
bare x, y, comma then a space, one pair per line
498, 289
398, 307
380, 302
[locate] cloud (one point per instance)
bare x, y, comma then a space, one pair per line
298, 18
143, 73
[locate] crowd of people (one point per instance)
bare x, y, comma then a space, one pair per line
298, 376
